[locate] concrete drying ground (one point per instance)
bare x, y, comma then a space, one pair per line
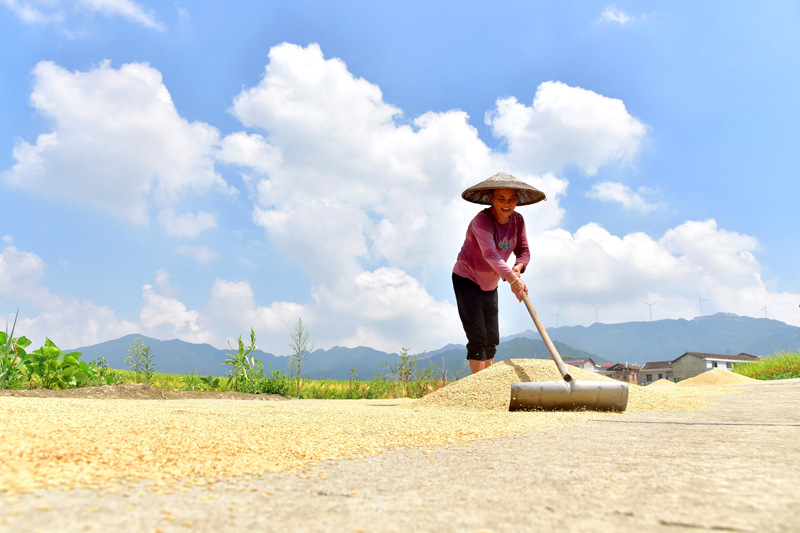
731, 467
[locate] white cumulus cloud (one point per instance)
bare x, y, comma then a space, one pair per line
609, 191
117, 142
567, 126
164, 316
592, 267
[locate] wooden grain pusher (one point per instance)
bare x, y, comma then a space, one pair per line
567, 394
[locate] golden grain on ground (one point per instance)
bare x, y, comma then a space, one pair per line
96, 442
716, 376
662, 383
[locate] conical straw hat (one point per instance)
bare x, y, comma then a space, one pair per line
482, 192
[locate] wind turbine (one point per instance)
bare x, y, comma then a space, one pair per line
764, 308
596, 309
700, 301
650, 307
557, 315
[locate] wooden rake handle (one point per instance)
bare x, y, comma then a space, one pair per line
546, 338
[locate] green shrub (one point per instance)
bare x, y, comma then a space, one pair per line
47, 367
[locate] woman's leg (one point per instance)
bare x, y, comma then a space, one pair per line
479, 315
477, 366
469, 298
491, 326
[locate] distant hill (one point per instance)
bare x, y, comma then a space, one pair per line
179, 357
632, 342
452, 358
665, 340
172, 357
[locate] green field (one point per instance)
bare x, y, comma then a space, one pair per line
782, 365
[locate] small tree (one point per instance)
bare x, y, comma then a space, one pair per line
300, 350
140, 360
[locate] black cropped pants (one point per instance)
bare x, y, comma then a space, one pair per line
478, 312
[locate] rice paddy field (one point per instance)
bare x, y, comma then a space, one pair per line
95, 442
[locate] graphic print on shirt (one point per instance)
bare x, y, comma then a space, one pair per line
505, 244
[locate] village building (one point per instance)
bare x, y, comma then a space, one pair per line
621, 372
692, 364
655, 370
586, 364
688, 365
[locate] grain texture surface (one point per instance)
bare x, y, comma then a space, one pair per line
75, 442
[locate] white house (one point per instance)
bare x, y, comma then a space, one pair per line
691, 364
655, 370
586, 364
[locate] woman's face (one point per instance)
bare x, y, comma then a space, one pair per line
503, 202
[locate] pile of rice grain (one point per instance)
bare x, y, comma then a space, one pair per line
490, 389
662, 383
716, 376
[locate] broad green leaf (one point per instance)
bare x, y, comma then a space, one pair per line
23, 342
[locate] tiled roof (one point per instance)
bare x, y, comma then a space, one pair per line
658, 365
621, 367
724, 356
576, 362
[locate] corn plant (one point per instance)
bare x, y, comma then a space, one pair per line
12, 357
782, 365
246, 371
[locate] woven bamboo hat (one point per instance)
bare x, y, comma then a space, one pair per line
482, 192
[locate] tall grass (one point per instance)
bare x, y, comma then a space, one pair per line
49, 367
279, 383
161, 380
782, 365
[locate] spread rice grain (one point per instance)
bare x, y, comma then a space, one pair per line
74, 442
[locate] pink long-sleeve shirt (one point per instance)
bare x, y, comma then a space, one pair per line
488, 246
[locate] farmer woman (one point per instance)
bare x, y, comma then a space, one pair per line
492, 235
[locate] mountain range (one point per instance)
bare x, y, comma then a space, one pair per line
666, 340
631, 342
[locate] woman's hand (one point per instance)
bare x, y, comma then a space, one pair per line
518, 286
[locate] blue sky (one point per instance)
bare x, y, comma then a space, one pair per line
191, 170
